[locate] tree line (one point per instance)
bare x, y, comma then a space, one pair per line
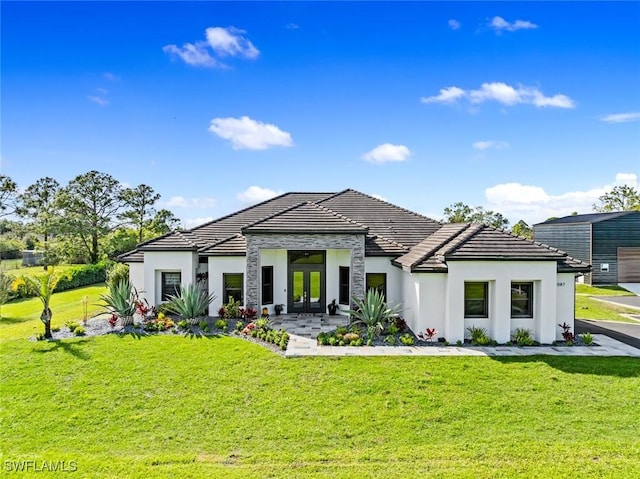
619, 198
93, 217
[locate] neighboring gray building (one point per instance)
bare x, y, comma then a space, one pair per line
610, 242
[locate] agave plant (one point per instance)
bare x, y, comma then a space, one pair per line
372, 312
122, 300
191, 303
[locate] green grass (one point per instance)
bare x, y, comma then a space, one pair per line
35, 271
21, 318
10, 264
610, 290
169, 406
588, 308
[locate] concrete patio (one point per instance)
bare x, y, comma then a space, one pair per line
309, 325
303, 346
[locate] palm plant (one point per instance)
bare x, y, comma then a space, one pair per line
43, 287
121, 301
373, 313
191, 303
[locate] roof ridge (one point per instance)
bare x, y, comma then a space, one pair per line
219, 242
394, 242
187, 240
273, 215
235, 213
465, 235
335, 213
380, 201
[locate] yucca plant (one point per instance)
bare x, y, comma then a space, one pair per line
373, 313
191, 303
43, 286
122, 300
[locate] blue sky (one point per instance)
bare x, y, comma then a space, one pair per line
531, 109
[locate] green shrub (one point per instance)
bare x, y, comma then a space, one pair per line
342, 330
587, 338
407, 339
182, 324
393, 329
479, 336
231, 309
78, 331
163, 308
390, 340
523, 337
203, 324
72, 325
239, 326
116, 273
56, 329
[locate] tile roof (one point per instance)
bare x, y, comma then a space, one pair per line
133, 256
418, 243
305, 217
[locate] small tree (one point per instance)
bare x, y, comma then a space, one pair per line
6, 283
43, 287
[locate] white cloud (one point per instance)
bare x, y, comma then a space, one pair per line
182, 202
502, 93
387, 153
98, 100
193, 222
111, 77
231, 42
533, 204
486, 144
379, 197
256, 194
248, 134
223, 42
454, 24
446, 95
499, 24
292, 26
621, 117
192, 54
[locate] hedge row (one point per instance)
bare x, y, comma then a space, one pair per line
75, 277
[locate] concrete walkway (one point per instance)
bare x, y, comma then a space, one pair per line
303, 346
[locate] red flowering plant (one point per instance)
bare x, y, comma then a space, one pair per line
567, 335
428, 335
248, 328
250, 313
113, 320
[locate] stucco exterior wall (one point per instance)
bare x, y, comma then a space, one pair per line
136, 278
566, 305
218, 265
424, 301
157, 262
500, 275
394, 276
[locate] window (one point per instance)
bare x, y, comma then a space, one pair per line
522, 300
267, 285
476, 300
344, 280
170, 284
233, 286
377, 281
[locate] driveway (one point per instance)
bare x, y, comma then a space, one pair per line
629, 301
624, 332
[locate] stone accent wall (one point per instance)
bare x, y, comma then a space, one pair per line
256, 242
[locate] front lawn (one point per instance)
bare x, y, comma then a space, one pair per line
588, 308
170, 406
21, 317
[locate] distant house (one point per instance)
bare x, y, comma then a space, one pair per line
303, 250
610, 242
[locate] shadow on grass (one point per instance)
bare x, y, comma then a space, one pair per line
200, 335
7, 320
622, 367
71, 347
